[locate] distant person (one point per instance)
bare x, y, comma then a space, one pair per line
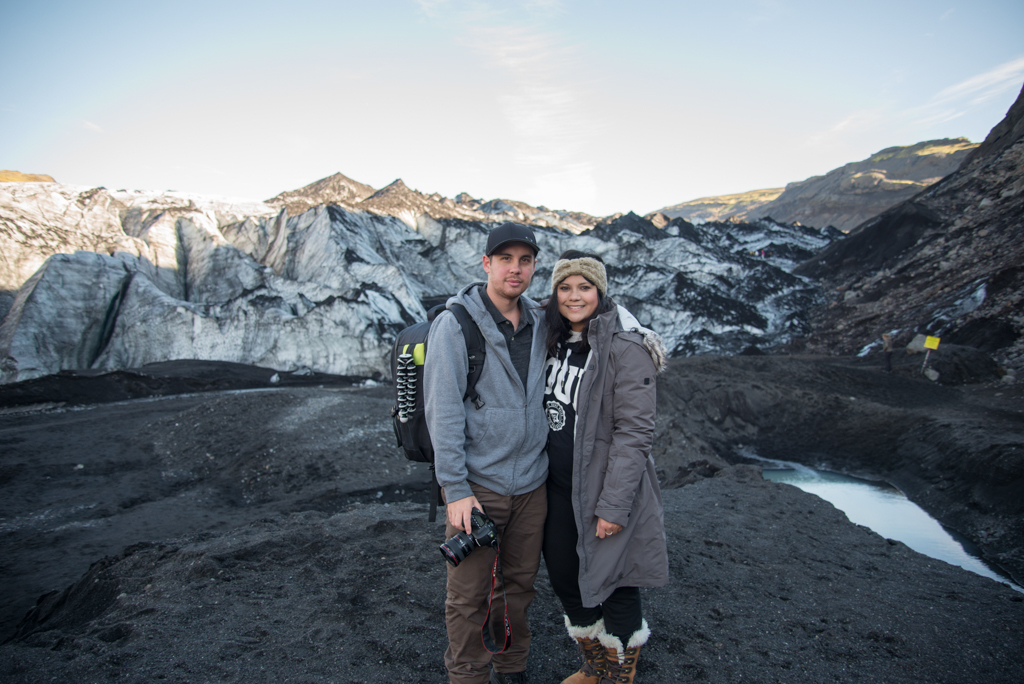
605, 536
887, 351
490, 456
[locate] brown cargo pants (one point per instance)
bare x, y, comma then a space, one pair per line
520, 523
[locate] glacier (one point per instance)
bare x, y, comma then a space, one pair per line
99, 279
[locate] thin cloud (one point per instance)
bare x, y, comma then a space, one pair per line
542, 99
431, 7
852, 123
858, 120
460, 9
984, 86
544, 107
461, 12
762, 11
571, 181
945, 15
90, 126
545, 6
956, 100
939, 117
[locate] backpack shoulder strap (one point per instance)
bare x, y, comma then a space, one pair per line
474, 349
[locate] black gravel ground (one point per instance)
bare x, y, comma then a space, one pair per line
277, 535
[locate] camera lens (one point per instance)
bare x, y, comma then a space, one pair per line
457, 548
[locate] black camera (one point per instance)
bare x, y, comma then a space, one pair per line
483, 533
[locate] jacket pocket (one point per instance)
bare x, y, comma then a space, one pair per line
498, 432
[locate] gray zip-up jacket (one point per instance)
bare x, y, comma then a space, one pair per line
502, 445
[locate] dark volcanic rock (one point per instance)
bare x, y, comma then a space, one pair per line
768, 584
85, 387
1006, 133
278, 535
946, 263
957, 451
609, 228
880, 242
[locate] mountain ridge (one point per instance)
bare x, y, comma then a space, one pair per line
947, 262
845, 196
334, 189
7, 176
398, 199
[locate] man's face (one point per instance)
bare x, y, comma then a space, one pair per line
510, 269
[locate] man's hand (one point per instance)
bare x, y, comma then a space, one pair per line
459, 513
606, 529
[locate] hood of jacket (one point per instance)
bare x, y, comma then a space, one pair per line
652, 340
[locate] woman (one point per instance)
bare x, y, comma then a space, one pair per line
604, 536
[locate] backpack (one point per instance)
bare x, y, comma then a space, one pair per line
408, 414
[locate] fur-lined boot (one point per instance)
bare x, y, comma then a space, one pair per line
587, 639
621, 662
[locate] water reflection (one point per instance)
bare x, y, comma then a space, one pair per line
885, 510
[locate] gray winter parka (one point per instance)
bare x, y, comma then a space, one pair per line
613, 472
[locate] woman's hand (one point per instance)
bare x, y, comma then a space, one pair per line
606, 529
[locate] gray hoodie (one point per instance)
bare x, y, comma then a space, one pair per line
501, 445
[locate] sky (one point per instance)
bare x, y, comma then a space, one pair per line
600, 106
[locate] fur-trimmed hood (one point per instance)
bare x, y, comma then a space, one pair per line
652, 340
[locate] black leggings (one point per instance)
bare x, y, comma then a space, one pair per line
621, 611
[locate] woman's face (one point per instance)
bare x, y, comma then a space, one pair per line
577, 301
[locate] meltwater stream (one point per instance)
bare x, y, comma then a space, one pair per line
885, 510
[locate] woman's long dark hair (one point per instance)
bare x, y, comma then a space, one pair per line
558, 326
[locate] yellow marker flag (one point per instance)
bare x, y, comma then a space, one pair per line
931, 342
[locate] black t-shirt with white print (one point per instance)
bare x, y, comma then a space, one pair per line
563, 376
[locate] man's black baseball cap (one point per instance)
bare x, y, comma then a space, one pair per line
511, 232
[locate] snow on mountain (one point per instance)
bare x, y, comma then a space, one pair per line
336, 189
716, 287
104, 280
400, 201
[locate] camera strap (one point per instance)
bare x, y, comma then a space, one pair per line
485, 632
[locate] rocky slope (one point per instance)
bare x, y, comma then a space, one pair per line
844, 197
947, 263
721, 207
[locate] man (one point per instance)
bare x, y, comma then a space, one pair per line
492, 458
